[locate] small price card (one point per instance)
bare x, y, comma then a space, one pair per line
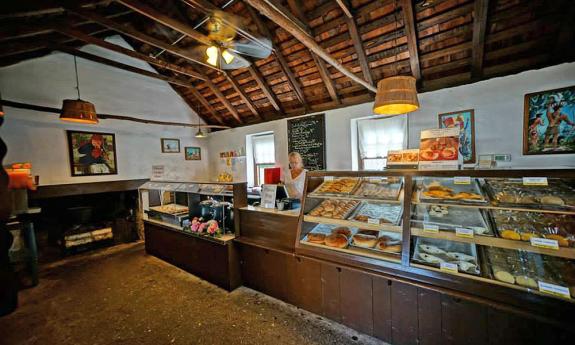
462, 180
463, 232
552, 289
430, 228
544, 243
535, 181
374, 221
448, 267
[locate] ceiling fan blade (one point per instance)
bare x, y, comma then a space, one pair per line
237, 62
260, 49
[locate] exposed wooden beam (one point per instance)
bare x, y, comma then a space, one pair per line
77, 34
273, 14
243, 95
356, 38
119, 65
411, 32
31, 8
260, 80
223, 99
91, 15
296, 7
479, 27
263, 29
166, 20
564, 48
206, 105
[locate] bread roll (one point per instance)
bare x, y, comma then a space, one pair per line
503, 276
365, 241
336, 240
316, 238
342, 230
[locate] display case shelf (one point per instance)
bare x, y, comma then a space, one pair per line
399, 200
358, 251
564, 252
355, 224
222, 239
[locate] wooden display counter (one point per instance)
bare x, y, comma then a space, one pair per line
269, 227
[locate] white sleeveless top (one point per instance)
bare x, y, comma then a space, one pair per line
295, 186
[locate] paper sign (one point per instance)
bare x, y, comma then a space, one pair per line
535, 181
269, 195
157, 172
544, 243
373, 221
552, 289
462, 180
463, 232
448, 267
430, 228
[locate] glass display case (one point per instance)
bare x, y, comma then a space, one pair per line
514, 229
203, 209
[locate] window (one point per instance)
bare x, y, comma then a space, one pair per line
263, 155
376, 136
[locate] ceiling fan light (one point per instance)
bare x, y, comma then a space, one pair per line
228, 57
396, 95
212, 53
79, 111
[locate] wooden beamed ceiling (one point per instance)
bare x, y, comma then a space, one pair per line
326, 54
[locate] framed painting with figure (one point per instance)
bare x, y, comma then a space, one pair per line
170, 145
92, 153
549, 122
465, 121
193, 153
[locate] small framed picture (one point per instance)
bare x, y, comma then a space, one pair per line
465, 121
170, 145
193, 153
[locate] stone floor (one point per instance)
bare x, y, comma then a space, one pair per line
120, 295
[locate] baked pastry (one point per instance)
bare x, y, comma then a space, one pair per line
364, 241
552, 200
527, 236
336, 241
503, 275
510, 235
389, 245
461, 256
342, 230
526, 281
562, 241
431, 249
316, 238
366, 232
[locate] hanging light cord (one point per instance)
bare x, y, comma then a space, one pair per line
77, 81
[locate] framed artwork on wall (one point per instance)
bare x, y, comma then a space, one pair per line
465, 121
193, 153
170, 145
92, 153
549, 122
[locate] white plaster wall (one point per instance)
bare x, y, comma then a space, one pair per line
498, 105
40, 138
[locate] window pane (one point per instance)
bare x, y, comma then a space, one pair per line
264, 150
377, 136
374, 164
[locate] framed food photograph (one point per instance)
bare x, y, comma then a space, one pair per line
170, 145
193, 153
465, 121
549, 122
92, 153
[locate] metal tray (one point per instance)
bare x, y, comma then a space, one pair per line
457, 217
369, 186
385, 209
344, 216
447, 247
317, 191
473, 187
530, 196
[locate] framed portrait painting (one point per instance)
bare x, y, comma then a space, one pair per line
92, 153
170, 145
549, 122
193, 153
465, 121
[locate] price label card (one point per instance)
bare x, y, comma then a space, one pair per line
535, 181
463, 232
544, 243
462, 180
373, 221
448, 267
328, 178
430, 228
552, 289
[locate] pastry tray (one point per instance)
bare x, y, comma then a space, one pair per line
344, 216
178, 209
393, 235
388, 188
533, 197
473, 187
447, 247
326, 229
456, 217
326, 182
382, 212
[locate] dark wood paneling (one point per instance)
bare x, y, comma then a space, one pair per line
273, 231
463, 322
59, 190
356, 300
330, 292
509, 329
429, 316
382, 308
404, 314
307, 284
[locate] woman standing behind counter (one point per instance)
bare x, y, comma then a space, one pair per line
294, 179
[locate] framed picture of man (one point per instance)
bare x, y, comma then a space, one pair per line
465, 121
549, 122
92, 153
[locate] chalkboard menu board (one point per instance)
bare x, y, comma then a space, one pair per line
306, 135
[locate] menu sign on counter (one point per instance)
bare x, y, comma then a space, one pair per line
269, 195
306, 135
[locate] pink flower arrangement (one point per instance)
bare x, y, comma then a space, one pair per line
212, 227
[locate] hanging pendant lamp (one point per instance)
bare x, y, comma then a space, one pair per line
199, 133
77, 110
396, 95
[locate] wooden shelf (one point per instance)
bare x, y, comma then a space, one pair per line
399, 200
358, 251
563, 252
349, 223
490, 281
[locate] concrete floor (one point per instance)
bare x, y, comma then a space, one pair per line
120, 295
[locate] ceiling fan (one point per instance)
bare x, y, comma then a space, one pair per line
232, 45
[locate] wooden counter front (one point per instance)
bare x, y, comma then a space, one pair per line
269, 228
